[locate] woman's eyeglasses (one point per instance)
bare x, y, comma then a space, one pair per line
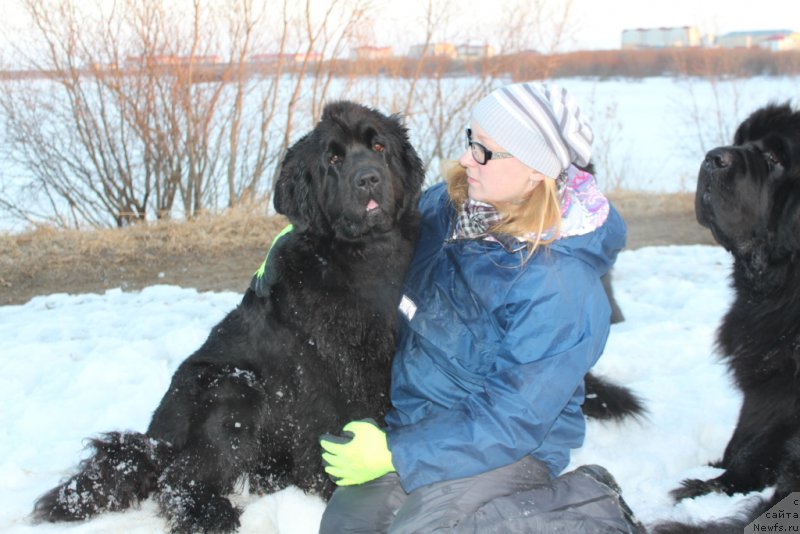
480, 153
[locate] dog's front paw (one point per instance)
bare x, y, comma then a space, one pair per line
215, 514
190, 514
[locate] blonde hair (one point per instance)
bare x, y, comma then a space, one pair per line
536, 214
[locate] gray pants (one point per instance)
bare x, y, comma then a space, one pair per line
519, 498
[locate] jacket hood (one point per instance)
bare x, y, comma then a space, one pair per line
600, 246
583, 206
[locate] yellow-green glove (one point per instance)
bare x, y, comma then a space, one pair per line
360, 457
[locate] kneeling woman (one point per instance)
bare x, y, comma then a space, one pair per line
504, 314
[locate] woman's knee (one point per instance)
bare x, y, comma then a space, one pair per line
333, 521
367, 508
442, 505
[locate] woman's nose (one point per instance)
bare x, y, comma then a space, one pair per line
466, 159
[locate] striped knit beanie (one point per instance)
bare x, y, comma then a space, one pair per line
540, 124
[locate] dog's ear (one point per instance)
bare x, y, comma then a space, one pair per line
787, 229
412, 167
292, 192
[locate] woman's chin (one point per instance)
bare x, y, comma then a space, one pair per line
474, 191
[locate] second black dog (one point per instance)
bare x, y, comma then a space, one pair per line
748, 194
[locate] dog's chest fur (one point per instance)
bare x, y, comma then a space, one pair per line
760, 334
353, 294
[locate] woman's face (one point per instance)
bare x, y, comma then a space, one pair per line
499, 181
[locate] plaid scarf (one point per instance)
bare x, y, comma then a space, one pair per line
475, 218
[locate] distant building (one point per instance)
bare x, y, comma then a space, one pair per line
292, 59
779, 43
433, 50
466, 52
371, 52
643, 38
164, 60
775, 40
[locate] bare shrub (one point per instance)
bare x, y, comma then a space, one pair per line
608, 132
137, 118
711, 82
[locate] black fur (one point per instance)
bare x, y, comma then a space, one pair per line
307, 353
748, 194
608, 401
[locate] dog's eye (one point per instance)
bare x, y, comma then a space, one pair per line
772, 159
336, 159
377, 147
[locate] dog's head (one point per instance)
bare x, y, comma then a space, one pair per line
748, 193
353, 175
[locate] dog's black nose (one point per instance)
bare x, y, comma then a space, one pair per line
367, 178
719, 158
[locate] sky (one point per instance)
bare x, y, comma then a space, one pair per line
74, 366
598, 24
601, 22
593, 24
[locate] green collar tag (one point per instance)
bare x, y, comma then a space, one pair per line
260, 272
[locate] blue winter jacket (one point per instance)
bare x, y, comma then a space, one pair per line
492, 352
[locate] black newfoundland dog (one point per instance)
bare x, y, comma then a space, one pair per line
748, 194
307, 350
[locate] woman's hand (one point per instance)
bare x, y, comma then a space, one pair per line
362, 455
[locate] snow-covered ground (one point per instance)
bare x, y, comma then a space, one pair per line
72, 366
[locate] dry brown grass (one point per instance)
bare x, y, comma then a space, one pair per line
209, 235
640, 204
221, 251
213, 234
